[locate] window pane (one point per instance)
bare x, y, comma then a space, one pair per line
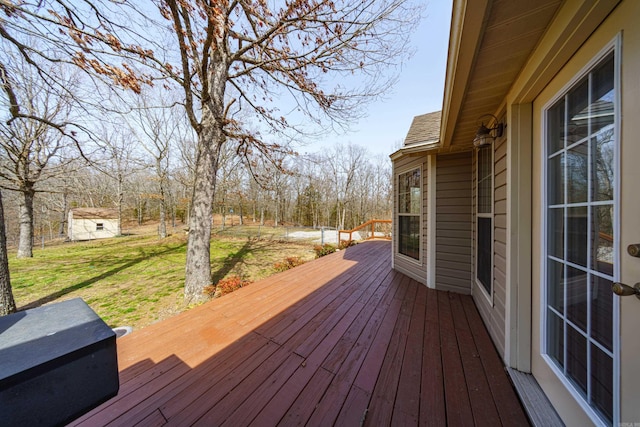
555, 229
577, 358
409, 236
555, 283
577, 235
602, 238
402, 202
555, 127
403, 184
555, 171
578, 111
409, 195
603, 96
485, 171
415, 200
603, 164
555, 337
602, 382
578, 173
602, 311
577, 297
484, 252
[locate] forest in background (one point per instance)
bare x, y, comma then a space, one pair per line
340, 188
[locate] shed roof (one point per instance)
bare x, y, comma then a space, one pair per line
94, 213
424, 128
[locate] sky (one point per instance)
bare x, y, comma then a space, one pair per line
419, 89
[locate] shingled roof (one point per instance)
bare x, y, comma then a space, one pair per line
94, 213
424, 129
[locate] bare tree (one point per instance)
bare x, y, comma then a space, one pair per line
157, 128
343, 162
118, 161
32, 136
7, 303
229, 56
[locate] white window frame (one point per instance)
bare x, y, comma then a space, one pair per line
420, 215
614, 46
488, 294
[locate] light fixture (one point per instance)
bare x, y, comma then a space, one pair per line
485, 136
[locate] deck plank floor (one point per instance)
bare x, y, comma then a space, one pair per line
343, 340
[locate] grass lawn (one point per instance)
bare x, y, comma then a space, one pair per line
137, 280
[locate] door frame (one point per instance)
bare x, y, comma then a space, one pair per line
614, 46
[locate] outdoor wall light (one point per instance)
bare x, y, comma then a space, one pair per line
485, 136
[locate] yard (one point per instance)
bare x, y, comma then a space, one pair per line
137, 280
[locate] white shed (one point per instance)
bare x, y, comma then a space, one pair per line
92, 223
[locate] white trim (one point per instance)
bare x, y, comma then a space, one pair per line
394, 224
519, 216
614, 46
396, 249
431, 221
491, 215
617, 232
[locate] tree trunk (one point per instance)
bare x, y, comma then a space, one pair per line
7, 302
63, 217
198, 266
25, 244
162, 231
163, 203
139, 210
120, 203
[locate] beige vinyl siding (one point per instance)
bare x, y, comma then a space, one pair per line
493, 312
453, 222
412, 268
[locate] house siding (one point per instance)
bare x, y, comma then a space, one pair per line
453, 222
416, 269
492, 310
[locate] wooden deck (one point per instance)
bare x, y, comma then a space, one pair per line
343, 340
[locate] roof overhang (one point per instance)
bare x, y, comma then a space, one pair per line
507, 51
416, 149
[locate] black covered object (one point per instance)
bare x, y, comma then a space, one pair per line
57, 362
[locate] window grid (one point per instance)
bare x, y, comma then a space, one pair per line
484, 219
589, 269
409, 213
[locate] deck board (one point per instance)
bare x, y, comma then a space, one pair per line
343, 340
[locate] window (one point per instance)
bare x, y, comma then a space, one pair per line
409, 208
581, 210
484, 218
99, 226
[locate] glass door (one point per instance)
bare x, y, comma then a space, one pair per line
582, 211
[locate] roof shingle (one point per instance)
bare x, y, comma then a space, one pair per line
424, 129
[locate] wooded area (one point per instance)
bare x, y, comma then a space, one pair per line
340, 188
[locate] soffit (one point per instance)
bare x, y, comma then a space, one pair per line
510, 31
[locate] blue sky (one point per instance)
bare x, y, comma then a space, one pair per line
419, 89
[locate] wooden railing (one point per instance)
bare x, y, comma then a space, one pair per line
369, 234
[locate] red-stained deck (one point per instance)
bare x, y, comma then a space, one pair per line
343, 340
